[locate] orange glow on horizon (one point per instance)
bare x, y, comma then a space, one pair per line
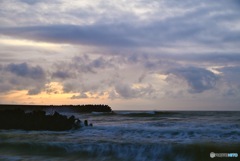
53, 95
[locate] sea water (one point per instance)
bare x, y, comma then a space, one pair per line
131, 136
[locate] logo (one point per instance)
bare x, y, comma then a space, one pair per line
212, 154
221, 155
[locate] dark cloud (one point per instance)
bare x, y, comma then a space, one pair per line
213, 58
99, 63
88, 35
230, 69
217, 58
198, 79
22, 77
82, 65
192, 26
34, 91
141, 78
80, 96
70, 87
125, 91
61, 75
200, 23
230, 84
85, 74
23, 70
31, 2
101, 35
231, 74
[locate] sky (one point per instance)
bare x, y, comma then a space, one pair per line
131, 55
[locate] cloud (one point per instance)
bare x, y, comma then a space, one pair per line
129, 91
232, 70
31, 2
61, 75
22, 77
198, 79
83, 64
228, 85
80, 96
210, 58
34, 91
231, 75
84, 74
135, 77
125, 91
191, 27
123, 50
100, 74
100, 35
23, 70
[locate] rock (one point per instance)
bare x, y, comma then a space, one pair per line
36, 120
86, 122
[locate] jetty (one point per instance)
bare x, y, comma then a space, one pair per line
88, 108
35, 117
36, 120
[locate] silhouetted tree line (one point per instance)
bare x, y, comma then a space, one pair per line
37, 120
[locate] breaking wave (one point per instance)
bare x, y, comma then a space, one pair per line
136, 113
108, 151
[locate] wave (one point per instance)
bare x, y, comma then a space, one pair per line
108, 151
135, 113
144, 113
103, 113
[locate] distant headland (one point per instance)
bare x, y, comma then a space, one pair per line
87, 108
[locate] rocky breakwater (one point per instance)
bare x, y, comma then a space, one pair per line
88, 108
37, 120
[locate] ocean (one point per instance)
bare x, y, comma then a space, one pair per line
131, 136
